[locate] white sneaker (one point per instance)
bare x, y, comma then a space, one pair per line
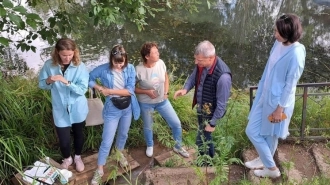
267, 173
150, 151
182, 152
97, 178
254, 164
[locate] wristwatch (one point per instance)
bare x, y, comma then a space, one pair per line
167, 93
69, 83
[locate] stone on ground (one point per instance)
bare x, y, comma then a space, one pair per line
297, 163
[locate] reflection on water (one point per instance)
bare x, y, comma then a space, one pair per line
323, 2
242, 32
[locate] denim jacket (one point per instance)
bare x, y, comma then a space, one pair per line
69, 102
106, 77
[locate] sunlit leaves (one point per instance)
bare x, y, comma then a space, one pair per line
62, 21
17, 20
20, 9
168, 4
32, 23
4, 41
7, 4
33, 16
2, 11
93, 2
142, 11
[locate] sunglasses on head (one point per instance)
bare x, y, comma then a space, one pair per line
285, 18
117, 52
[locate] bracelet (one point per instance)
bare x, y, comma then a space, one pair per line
167, 94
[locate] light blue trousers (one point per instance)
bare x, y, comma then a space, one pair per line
114, 120
265, 145
166, 110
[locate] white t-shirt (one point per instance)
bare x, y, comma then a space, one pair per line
151, 78
118, 81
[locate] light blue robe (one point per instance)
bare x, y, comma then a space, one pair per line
69, 102
280, 90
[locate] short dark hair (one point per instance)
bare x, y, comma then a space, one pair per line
289, 27
118, 54
145, 50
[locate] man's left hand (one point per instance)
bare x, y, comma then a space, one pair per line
208, 128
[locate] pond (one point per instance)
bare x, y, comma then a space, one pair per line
242, 32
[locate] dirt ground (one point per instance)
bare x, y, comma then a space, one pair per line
236, 172
299, 155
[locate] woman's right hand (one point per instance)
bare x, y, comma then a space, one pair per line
151, 93
103, 90
52, 79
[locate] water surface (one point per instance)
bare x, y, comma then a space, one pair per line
242, 32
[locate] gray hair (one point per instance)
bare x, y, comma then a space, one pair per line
205, 48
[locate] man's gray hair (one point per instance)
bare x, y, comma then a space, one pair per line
205, 48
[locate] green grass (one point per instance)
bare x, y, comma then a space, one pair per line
317, 114
27, 130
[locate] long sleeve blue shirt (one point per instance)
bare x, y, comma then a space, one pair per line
69, 102
106, 77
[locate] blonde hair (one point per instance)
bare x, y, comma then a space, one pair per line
65, 44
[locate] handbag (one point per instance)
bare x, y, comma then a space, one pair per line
121, 102
95, 106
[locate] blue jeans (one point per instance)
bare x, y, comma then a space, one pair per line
204, 139
265, 145
166, 110
114, 120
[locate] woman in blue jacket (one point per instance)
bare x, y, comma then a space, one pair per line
276, 95
67, 79
117, 84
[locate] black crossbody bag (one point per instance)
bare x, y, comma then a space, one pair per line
121, 102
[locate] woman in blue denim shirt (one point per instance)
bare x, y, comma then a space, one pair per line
118, 80
67, 78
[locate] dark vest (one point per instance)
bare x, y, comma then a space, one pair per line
209, 99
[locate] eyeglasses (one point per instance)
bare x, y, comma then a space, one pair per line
117, 52
285, 18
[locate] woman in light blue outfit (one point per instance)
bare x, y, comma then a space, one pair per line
276, 95
118, 81
152, 92
67, 79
